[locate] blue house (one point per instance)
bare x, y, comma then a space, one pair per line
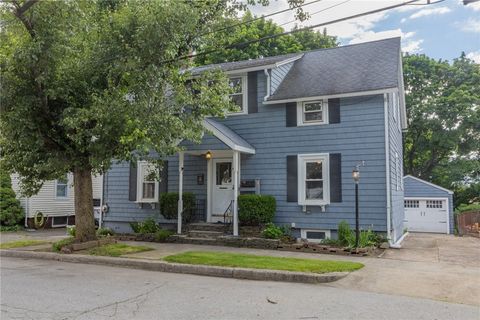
305, 121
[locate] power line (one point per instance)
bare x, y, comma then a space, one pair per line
247, 43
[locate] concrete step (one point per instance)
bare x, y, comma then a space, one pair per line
205, 234
203, 226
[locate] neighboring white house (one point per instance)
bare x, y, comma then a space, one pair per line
55, 200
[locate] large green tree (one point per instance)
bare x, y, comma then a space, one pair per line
442, 143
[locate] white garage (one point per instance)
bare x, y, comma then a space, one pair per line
428, 207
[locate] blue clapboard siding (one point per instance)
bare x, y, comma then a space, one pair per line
359, 136
418, 189
277, 75
396, 167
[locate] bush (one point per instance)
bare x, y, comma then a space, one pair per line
467, 208
71, 231
162, 235
169, 205
367, 238
57, 246
272, 231
11, 228
147, 226
345, 234
254, 209
11, 213
103, 232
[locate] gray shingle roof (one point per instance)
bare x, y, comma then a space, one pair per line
353, 68
228, 136
230, 66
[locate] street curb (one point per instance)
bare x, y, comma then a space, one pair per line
162, 266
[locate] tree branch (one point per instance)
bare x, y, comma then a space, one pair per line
19, 12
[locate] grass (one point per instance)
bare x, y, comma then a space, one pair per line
117, 250
21, 243
225, 259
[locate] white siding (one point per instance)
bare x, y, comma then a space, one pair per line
46, 201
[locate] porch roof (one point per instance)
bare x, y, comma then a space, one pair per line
228, 136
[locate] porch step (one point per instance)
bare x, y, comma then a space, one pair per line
205, 234
203, 226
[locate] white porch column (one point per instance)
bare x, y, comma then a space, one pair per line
236, 167
180, 191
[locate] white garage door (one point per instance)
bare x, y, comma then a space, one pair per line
426, 215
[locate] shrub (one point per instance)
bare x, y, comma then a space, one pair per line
272, 231
103, 232
57, 246
162, 235
147, 226
10, 228
11, 213
71, 231
254, 209
467, 208
367, 238
169, 205
345, 234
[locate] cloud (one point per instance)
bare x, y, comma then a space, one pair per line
471, 25
474, 55
475, 6
429, 12
409, 44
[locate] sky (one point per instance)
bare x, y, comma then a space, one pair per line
441, 30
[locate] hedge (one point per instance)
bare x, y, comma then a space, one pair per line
11, 213
169, 205
255, 209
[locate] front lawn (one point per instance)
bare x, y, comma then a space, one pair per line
225, 259
117, 250
21, 243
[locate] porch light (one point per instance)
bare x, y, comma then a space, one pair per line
208, 155
356, 175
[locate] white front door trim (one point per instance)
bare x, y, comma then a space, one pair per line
447, 206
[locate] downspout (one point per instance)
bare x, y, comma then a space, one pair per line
267, 74
387, 167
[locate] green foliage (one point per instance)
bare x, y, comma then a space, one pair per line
104, 232
13, 228
272, 231
71, 230
367, 238
169, 205
345, 233
162, 235
296, 42
255, 209
147, 226
11, 213
21, 243
467, 208
441, 144
57, 246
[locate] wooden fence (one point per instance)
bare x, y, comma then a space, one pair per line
468, 223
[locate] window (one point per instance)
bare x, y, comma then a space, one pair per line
147, 187
313, 235
312, 112
411, 203
313, 179
435, 204
61, 187
239, 97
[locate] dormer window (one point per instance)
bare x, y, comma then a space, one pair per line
239, 96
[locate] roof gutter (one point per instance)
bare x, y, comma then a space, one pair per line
267, 74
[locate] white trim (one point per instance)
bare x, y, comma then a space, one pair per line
387, 167
302, 160
67, 193
283, 62
235, 180
401, 91
244, 85
217, 133
340, 95
267, 74
180, 191
303, 234
140, 181
428, 183
59, 225
301, 112
209, 188
447, 205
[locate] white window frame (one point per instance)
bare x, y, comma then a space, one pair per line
303, 234
244, 94
66, 189
140, 181
301, 113
302, 161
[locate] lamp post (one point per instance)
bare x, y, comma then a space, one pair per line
356, 178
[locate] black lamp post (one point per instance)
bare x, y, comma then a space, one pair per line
356, 178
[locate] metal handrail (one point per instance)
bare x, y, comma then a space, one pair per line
226, 222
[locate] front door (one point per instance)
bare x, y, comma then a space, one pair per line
222, 193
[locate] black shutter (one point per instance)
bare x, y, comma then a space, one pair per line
335, 177
292, 179
163, 184
291, 114
132, 182
252, 92
334, 110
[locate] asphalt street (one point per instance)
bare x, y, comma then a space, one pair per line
37, 289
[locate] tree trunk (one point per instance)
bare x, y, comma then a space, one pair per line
84, 220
